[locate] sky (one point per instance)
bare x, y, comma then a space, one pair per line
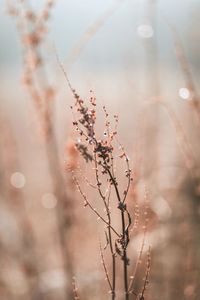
116, 42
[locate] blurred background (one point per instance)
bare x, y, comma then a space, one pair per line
141, 59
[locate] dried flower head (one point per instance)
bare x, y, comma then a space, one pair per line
102, 153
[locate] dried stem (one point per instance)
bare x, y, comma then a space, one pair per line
32, 28
186, 70
100, 152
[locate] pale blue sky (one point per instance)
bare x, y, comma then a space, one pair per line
115, 41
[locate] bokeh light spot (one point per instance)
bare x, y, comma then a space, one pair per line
18, 180
184, 94
49, 201
52, 279
145, 31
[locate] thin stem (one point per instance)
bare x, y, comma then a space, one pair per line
125, 259
124, 243
114, 183
104, 266
109, 230
87, 203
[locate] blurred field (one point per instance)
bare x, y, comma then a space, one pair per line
141, 61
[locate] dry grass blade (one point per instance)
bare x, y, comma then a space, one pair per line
186, 70
105, 267
90, 32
